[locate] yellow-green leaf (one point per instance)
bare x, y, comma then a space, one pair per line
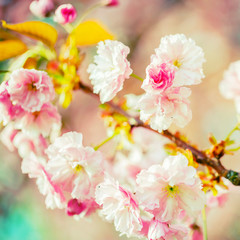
89, 33
35, 29
11, 48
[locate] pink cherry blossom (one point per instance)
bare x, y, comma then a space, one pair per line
230, 85
39, 122
184, 55
110, 69
7, 136
165, 190
35, 167
119, 206
30, 89
161, 110
75, 168
26, 144
159, 77
8, 111
65, 13
166, 231
54, 195
41, 8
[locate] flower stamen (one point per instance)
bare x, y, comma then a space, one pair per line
171, 190
176, 63
78, 168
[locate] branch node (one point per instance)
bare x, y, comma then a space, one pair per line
233, 177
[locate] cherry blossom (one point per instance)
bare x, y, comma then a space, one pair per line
65, 13
27, 144
39, 122
166, 190
35, 167
161, 110
159, 77
110, 69
166, 231
7, 136
8, 110
184, 55
30, 89
54, 195
119, 206
230, 85
75, 168
139, 186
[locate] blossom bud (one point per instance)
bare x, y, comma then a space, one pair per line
112, 3
41, 8
85, 208
65, 13
74, 207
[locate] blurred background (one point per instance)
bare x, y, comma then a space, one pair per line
140, 24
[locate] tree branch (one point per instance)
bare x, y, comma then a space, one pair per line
201, 157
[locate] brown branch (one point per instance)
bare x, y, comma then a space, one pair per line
201, 157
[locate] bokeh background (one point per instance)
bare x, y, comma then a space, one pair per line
140, 24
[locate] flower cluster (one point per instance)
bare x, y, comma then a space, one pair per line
159, 202
62, 168
177, 62
68, 174
145, 191
164, 194
25, 101
31, 121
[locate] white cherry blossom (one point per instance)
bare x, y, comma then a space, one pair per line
110, 69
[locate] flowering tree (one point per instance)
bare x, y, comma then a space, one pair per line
152, 187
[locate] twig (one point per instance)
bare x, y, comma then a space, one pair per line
200, 156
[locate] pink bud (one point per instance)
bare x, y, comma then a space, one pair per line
41, 8
74, 207
65, 13
197, 235
113, 3
197, 232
